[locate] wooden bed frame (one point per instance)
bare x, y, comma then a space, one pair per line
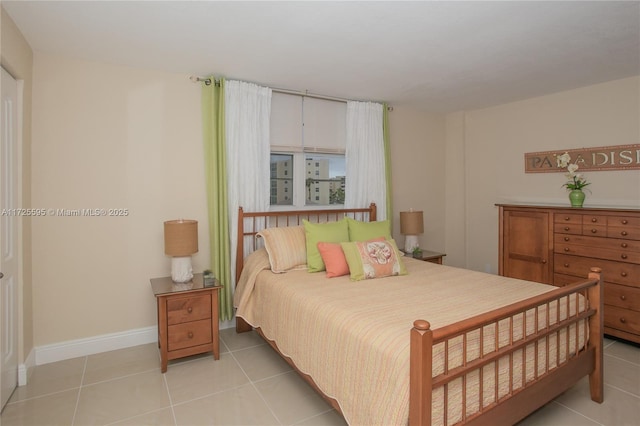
517, 403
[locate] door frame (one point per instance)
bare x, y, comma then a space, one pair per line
19, 326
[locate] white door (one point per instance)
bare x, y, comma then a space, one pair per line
9, 236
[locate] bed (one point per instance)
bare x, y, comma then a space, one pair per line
435, 346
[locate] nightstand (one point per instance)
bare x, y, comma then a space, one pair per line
187, 318
430, 256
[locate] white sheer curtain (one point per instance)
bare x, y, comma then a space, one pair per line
364, 158
247, 116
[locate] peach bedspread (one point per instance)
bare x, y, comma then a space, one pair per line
353, 337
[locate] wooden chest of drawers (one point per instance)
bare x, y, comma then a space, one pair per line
577, 240
187, 318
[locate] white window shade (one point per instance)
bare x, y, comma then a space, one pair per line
286, 122
307, 124
325, 125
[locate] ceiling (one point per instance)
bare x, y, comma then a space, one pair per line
440, 56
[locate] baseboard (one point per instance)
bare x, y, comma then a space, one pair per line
23, 369
97, 344
93, 345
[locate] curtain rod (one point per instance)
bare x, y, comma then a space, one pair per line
306, 93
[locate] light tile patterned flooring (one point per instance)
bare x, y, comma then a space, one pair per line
252, 385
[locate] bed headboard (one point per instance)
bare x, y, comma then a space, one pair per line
250, 223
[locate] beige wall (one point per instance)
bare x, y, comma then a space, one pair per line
418, 167
16, 57
493, 142
106, 137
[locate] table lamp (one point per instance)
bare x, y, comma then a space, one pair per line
180, 242
411, 224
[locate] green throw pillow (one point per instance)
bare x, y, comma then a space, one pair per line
331, 232
365, 231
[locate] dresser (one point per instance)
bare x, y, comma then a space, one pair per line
557, 245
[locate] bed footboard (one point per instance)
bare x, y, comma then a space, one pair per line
513, 360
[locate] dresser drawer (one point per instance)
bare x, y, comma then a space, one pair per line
597, 252
568, 218
616, 272
624, 221
189, 334
594, 219
622, 296
568, 228
560, 280
597, 242
624, 233
594, 230
622, 319
191, 308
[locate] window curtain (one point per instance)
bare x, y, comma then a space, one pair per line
365, 157
247, 117
387, 160
236, 148
213, 120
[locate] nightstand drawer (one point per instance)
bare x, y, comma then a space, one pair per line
185, 309
189, 334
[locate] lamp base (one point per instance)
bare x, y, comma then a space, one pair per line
181, 271
410, 242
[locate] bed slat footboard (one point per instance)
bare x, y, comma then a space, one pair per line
518, 358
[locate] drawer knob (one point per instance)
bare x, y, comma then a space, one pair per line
624, 274
594, 219
190, 335
624, 256
593, 231
189, 309
623, 297
624, 233
623, 320
567, 218
566, 249
544, 261
566, 238
566, 265
624, 221
624, 245
566, 228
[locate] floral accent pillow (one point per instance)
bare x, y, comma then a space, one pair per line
373, 259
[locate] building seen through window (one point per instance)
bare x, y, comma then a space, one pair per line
324, 182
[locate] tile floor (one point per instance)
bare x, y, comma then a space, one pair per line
251, 385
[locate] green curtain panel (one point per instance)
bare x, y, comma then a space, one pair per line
216, 185
387, 160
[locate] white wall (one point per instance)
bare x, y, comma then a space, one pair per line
494, 141
106, 137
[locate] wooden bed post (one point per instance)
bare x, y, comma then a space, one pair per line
596, 326
421, 370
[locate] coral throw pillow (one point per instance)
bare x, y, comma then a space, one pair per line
334, 260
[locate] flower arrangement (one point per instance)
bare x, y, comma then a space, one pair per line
577, 180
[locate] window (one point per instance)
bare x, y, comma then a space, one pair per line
280, 180
308, 138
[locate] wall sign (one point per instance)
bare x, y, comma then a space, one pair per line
619, 157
